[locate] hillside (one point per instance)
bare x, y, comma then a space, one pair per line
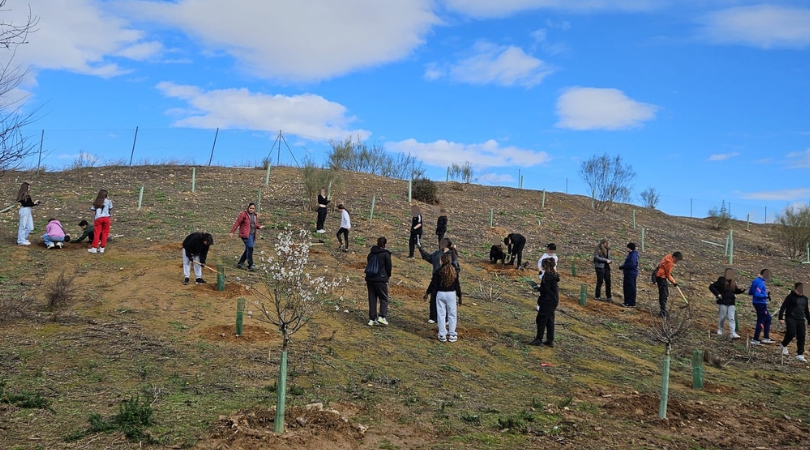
135, 330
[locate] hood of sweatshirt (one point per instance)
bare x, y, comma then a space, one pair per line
554, 275
375, 250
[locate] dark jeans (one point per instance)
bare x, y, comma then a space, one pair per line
763, 321
321, 218
629, 287
663, 294
440, 236
603, 275
377, 291
433, 312
345, 233
517, 251
414, 239
797, 329
545, 323
247, 255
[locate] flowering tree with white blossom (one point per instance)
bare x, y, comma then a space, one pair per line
293, 296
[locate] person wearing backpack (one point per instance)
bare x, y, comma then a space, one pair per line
378, 272
630, 270
726, 290
759, 298
663, 276
792, 314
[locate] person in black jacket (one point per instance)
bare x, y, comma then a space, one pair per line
448, 290
795, 315
630, 270
547, 304
441, 224
377, 283
195, 248
323, 202
416, 230
445, 246
514, 247
726, 290
601, 264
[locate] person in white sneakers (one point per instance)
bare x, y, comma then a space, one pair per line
345, 226
792, 314
726, 290
759, 298
54, 234
101, 224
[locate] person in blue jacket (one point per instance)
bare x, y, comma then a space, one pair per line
630, 270
759, 298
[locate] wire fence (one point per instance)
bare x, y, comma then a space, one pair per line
61, 149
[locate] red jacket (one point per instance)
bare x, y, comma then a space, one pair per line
243, 223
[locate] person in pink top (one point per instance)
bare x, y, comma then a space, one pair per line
54, 234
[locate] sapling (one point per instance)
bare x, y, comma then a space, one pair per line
293, 297
668, 328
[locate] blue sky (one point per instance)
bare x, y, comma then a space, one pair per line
707, 100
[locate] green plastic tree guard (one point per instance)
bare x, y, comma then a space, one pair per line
543, 203
220, 277
140, 199
281, 391
730, 247
662, 408
573, 269
736, 322
240, 311
259, 200
193, 178
491, 216
267, 174
697, 369
410, 190
371, 215
634, 219
643, 231
583, 294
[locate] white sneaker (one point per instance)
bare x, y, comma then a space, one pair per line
60, 245
382, 321
371, 323
768, 341
321, 231
755, 342
719, 332
784, 350
734, 335
50, 245
92, 250
101, 249
431, 321
452, 338
801, 358
25, 243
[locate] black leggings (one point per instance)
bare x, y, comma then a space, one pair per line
797, 329
545, 323
415, 238
345, 233
603, 275
321, 218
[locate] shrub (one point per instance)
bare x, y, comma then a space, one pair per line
793, 229
316, 178
357, 156
60, 292
23, 399
132, 419
17, 307
609, 180
425, 191
720, 218
650, 197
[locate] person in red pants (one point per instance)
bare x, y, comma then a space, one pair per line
101, 224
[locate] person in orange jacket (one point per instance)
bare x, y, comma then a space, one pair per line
663, 276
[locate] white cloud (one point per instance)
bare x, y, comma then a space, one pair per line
583, 108
495, 178
307, 115
487, 154
799, 159
299, 40
501, 8
493, 64
783, 195
764, 26
78, 36
723, 156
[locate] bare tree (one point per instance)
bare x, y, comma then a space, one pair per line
356, 155
293, 298
14, 148
793, 229
720, 218
609, 180
463, 172
650, 198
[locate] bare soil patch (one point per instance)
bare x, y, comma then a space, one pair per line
227, 333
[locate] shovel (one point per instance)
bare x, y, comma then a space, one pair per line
682, 296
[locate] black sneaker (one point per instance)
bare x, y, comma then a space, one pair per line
549, 344
241, 266
200, 281
609, 300
252, 268
537, 342
185, 281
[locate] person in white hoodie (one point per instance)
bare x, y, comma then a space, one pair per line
551, 252
345, 226
101, 224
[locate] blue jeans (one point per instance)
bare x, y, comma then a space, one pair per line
26, 225
763, 321
247, 255
48, 239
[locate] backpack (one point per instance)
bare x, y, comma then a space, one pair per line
654, 274
373, 266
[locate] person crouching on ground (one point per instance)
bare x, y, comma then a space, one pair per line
448, 290
547, 304
195, 251
792, 314
726, 290
378, 258
248, 224
54, 234
759, 298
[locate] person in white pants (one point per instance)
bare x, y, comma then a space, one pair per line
195, 251
448, 291
726, 290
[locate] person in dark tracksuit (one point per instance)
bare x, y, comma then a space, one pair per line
441, 224
445, 246
547, 303
630, 270
760, 296
323, 202
416, 230
601, 264
514, 245
792, 314
377, 283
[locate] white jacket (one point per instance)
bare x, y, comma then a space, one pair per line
345, 222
